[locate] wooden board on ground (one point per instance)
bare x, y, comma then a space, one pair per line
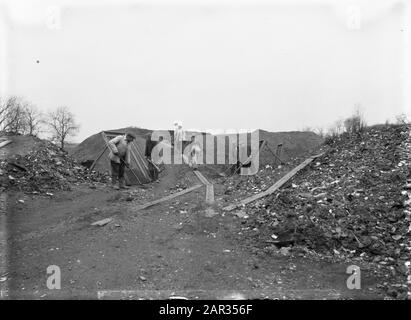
4, 143
201, 177
209, 187
169, 197
274, 187
209, 194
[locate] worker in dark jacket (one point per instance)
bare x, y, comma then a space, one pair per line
150, 144
119, 158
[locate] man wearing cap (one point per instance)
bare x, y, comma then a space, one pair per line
119, 158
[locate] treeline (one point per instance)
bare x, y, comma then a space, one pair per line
18, 116
354, 124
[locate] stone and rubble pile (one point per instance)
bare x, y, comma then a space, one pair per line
44, 169
353, 202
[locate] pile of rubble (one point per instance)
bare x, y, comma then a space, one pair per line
354, 201
44, 169
243, 186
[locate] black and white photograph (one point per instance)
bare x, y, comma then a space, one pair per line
203, 150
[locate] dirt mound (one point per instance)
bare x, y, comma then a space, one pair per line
353, 202
294, 144
92, 147
44, 168
20, 145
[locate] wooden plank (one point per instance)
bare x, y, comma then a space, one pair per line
275, 186
105, 139
169, 197
98, 158
201, 177
209, 194
209, 187
140, 161
154, 165
4, 143
132, 171
102, 222
139, 167
140, 155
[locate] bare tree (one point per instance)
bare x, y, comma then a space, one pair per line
62, 124
355, 123
5, 106
339, 126
320, 131
332, 132
34, 119
401, 119
13, 115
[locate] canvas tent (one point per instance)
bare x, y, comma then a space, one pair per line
93, 153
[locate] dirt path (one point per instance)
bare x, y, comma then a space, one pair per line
169, 249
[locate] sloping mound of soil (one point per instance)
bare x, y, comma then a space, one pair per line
295, 144
43, 168
20, 145
92, 147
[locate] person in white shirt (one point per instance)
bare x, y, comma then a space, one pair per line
119, 158
195, 150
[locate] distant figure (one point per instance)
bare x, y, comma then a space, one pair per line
194, 153
179, 134
119, 158
175, 131
150, 144
179, 138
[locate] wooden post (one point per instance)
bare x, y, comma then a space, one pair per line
98, 158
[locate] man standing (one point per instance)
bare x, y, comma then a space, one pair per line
119, 158
150, 144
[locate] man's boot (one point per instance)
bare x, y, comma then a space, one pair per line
122, 184
114, 183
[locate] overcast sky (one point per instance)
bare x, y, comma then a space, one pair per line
278, 65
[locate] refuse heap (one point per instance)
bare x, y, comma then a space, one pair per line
354, 201
243, 186
45, 169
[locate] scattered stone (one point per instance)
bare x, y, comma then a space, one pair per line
101, 223
285, 251
240, 214
209, 212
45, 168
351, 204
